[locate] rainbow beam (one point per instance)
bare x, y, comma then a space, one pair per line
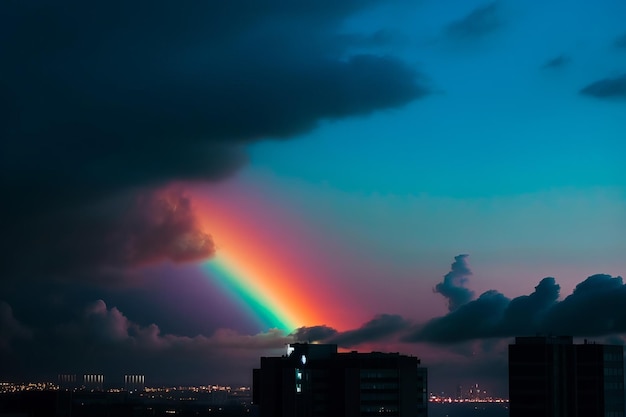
244, 285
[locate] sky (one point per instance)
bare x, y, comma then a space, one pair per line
190, 186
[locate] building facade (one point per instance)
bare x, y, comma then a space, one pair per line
553, 377
315, 381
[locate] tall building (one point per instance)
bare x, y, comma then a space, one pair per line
553, 377
314, 380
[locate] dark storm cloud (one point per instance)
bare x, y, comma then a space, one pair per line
381, 327
607, 88
525, 314
134, 229
127, 94
453, 285
314, 333
99, 98
474, 320
104, 340
492, 315
161, 226
10, 327
556, 62
593, 309
480, 21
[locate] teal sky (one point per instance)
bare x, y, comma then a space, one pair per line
506, 160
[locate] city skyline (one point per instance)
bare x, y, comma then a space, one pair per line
189, 188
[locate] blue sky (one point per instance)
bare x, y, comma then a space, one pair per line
506, 160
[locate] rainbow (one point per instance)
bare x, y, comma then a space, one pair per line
262, 265
242, 284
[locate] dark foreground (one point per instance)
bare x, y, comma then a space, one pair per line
83, 404
101, 404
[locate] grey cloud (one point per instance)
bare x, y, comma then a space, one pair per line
123, 96
593, 309
101, 98
607, 88
102, 324
127, 231
453, 285
314, 333
103, 339
103, 332
596, 307
479, 22
524, 314
10, 327
477, 319
381, 327
162, 226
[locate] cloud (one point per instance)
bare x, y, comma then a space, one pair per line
129, 230
10, 327
556, 62
381, 327
161, 226
477, 319
107, 325
591, 310
105, 98
492, 315
103, 339
479, 22
524, 314
607, 88
453, 285
124, 96
103, 334
314, 333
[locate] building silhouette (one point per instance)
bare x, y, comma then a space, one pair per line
553, 377
68, 381
134, 382
93, 382
314, 380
